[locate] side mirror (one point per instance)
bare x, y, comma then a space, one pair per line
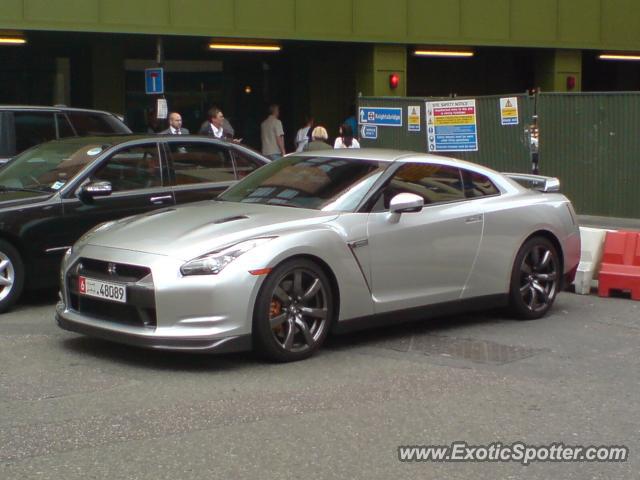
96, 189
406, 203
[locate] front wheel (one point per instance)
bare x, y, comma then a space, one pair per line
11, 275
534, 279
293, 311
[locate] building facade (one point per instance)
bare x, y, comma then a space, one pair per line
93, 53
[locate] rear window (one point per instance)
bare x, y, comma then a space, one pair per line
89, 123
33, 128
478, 185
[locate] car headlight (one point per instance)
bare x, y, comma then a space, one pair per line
212, 263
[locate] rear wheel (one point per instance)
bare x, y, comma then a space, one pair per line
293, 312
11, 275
534, 279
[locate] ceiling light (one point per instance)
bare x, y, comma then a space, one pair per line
245, 47
12, 40
443, 53
630, 57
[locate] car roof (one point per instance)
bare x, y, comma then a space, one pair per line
54, 108
114, 140
383, 155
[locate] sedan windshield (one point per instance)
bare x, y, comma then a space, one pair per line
318, 183
48, 167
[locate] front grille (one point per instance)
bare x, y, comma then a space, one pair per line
123, 272
139, 311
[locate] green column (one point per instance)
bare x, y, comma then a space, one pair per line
557, 69
374, 67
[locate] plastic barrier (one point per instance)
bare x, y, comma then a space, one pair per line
620, 268
592, 241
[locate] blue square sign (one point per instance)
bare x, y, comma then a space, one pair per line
153, 81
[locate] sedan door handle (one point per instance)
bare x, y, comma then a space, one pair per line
160, 199
473, 219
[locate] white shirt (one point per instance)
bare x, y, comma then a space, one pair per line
217, 132
175, 131
338, 143
302, 138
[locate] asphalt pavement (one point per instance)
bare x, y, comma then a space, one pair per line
78, 408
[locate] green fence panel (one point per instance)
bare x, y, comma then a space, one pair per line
501, 147
591, 141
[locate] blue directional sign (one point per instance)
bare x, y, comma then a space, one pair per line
370, 132
384, 117
153, 81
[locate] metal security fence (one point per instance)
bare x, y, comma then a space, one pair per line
502, 147
591, 141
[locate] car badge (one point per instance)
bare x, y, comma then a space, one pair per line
111, 268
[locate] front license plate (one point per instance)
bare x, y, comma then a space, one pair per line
99, 289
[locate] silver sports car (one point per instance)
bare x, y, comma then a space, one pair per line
320, 241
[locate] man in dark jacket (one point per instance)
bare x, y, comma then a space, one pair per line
175, 125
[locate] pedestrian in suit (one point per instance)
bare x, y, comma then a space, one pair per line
217, 126
175, 125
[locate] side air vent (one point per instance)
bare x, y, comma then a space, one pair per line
231, 219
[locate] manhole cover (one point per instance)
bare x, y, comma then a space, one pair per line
479, 351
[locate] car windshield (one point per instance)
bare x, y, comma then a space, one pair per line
318, 183
48, 167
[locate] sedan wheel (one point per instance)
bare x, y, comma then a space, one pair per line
294, 311
11, 275
535, 278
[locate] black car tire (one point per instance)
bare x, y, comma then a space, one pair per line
308, 309
535, 279
12, 272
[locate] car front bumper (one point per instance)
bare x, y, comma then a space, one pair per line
164, 310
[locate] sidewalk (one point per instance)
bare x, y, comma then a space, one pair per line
609, 222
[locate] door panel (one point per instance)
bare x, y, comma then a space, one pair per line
138, 176
424, 257
200, 170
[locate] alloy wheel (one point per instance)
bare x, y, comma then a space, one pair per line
299, 310
7, 276
538, 278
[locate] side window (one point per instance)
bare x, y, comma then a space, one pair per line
195, 163
132, 168
245, 164
33, 128
89, 123
434, 183
64, 127
478, 185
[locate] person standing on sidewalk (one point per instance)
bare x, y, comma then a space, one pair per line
346, 140
272, 134
304, 134
175, 125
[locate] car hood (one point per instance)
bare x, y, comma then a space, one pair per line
189, 231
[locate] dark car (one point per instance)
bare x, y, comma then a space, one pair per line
53, 193
22, 127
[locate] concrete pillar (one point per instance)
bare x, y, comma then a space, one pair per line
374, 67
560, 71
62, 82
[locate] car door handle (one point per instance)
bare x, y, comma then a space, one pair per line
160, 199
473, 219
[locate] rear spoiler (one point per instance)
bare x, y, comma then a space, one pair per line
535, 182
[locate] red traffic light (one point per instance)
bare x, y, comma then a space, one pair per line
394, 81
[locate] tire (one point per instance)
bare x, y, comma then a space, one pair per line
293, 312
535, 279
11, 275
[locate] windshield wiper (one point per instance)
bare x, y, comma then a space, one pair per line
16, 189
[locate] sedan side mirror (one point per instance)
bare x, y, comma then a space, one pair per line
96, 189
406, 203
